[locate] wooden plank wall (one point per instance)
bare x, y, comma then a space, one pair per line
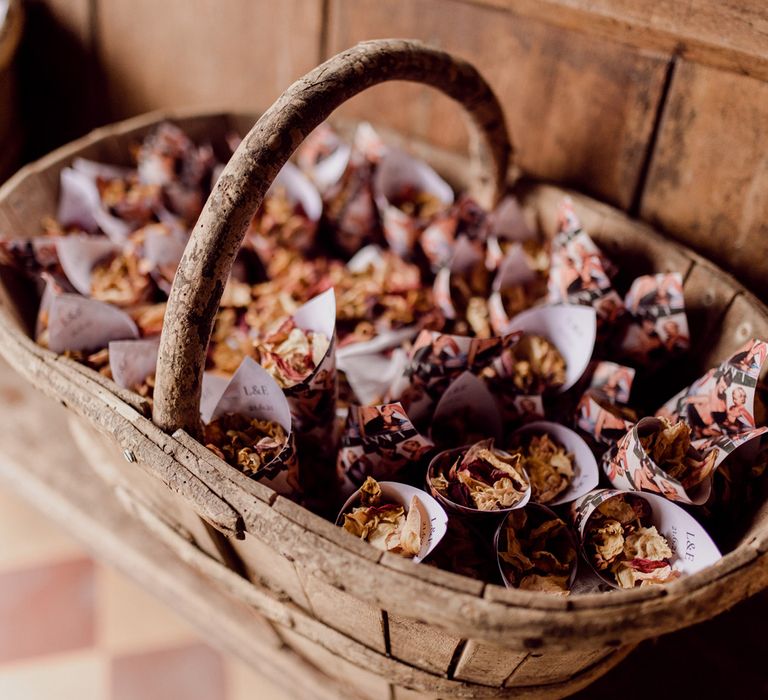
659, 108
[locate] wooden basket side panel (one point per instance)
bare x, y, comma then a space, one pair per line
135, 481
487, 663
344, 611
363, 683
267, 567
420, 644
554, 667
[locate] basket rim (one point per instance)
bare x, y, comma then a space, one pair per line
491, 611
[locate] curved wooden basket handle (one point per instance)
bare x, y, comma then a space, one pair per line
216, 238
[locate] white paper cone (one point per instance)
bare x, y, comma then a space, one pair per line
469, 402
447, 457
77, 323
299, 188
396, 171
570, 328
692, 548
133, 361
79, 254
586, 473
434, 521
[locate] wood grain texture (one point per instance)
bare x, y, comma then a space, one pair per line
708, 178
553, 668
344, 611
486, 663
265, 568
137, 483
729, 34
362, 683
420, 644
240, 52
581, 108
708, 296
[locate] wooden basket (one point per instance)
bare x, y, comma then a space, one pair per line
384, 626
10, 125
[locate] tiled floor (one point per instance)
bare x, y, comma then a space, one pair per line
73, 629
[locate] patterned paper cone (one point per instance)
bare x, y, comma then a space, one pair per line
313, 400
436, 359
629, 467
380, 441
657, 326
350, 208
602, 420
611, 381
721, 403
579, 272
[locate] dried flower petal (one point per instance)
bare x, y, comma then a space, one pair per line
549, 467
249, 444
483, 478
670, 449
386, 526
621, 542
533, 365
537, 552
290, 354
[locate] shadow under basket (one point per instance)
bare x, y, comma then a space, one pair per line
384, 626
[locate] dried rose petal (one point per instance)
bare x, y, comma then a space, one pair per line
482, 477
537, 557
670, 449
386, 526
549, 467
249, 444
621, 542
290, 354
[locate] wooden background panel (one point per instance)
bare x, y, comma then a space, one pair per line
238, 53
708, 180
57, 71
727, 34
581, 109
